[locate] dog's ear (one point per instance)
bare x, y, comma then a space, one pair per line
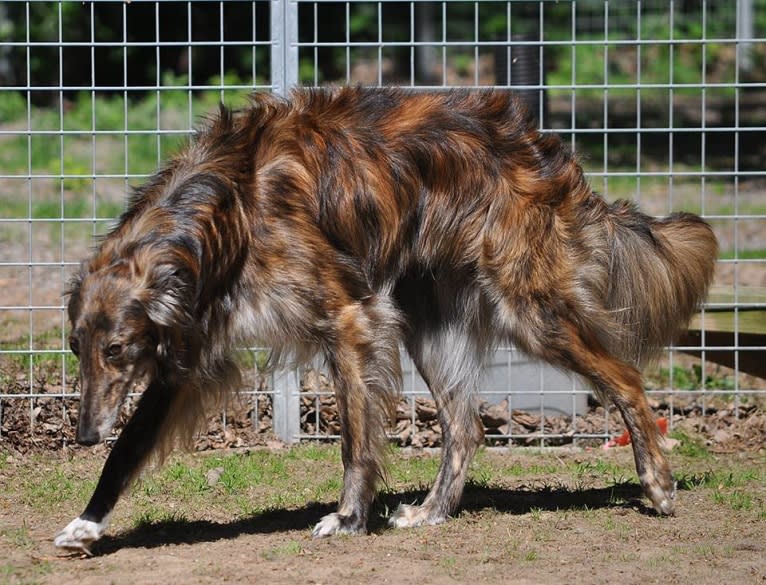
169, 302
72, 293
169, 296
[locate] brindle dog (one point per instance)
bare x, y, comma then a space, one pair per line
347, 222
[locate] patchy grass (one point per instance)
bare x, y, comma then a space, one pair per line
288, 549
521, 507
53, 485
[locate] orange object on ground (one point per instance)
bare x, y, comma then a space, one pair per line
624, 438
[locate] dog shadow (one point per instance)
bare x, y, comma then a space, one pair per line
476, 498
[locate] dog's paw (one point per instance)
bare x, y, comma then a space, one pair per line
663, 500
407, 516
661, 492
337, 524
79, 534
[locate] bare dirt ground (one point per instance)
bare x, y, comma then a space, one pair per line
529, 528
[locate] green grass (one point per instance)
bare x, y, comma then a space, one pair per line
531, 555
83, 207
601, 468
172, 110
247, 483
736, 499
53, 486
731, 488
153, 515
26, 574
414, 470
39, 360
691, 447
756, 254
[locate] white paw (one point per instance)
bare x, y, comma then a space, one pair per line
335, 524
79, 534
407, 516
663, 500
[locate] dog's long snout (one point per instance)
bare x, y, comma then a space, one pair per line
89, 427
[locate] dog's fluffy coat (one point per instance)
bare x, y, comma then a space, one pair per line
347, 221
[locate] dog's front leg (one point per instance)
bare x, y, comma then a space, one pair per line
130, 452
360, 466
362, 438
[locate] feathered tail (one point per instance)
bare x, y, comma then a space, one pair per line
658, 274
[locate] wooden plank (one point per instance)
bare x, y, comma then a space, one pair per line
724, 317
750, 361
743, 321
745, 294
724, 326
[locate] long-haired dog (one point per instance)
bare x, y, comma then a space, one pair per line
346, 222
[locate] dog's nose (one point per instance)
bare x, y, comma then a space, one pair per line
87, 437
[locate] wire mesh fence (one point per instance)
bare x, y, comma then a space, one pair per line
662, 101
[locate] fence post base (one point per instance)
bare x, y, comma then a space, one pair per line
286, 405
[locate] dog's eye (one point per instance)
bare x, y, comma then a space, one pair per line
114, 350
74, 345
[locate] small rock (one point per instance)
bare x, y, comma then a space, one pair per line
721, 436
212, 476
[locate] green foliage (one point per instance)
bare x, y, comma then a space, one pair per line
691, 378
175, 111
363, 21
13, 106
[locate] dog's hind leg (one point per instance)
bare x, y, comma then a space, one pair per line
450, 365
366, 371
137, 441
621, 383
565, 343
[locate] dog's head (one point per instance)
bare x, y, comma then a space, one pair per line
125, 328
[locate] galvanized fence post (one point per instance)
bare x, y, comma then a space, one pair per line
284, 75
284, 45
286, 409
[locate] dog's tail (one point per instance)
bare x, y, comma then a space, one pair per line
657, 274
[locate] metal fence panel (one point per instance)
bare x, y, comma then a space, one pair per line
661, 100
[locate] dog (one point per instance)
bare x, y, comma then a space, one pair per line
351, 221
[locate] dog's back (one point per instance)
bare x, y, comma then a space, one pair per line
398, 183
